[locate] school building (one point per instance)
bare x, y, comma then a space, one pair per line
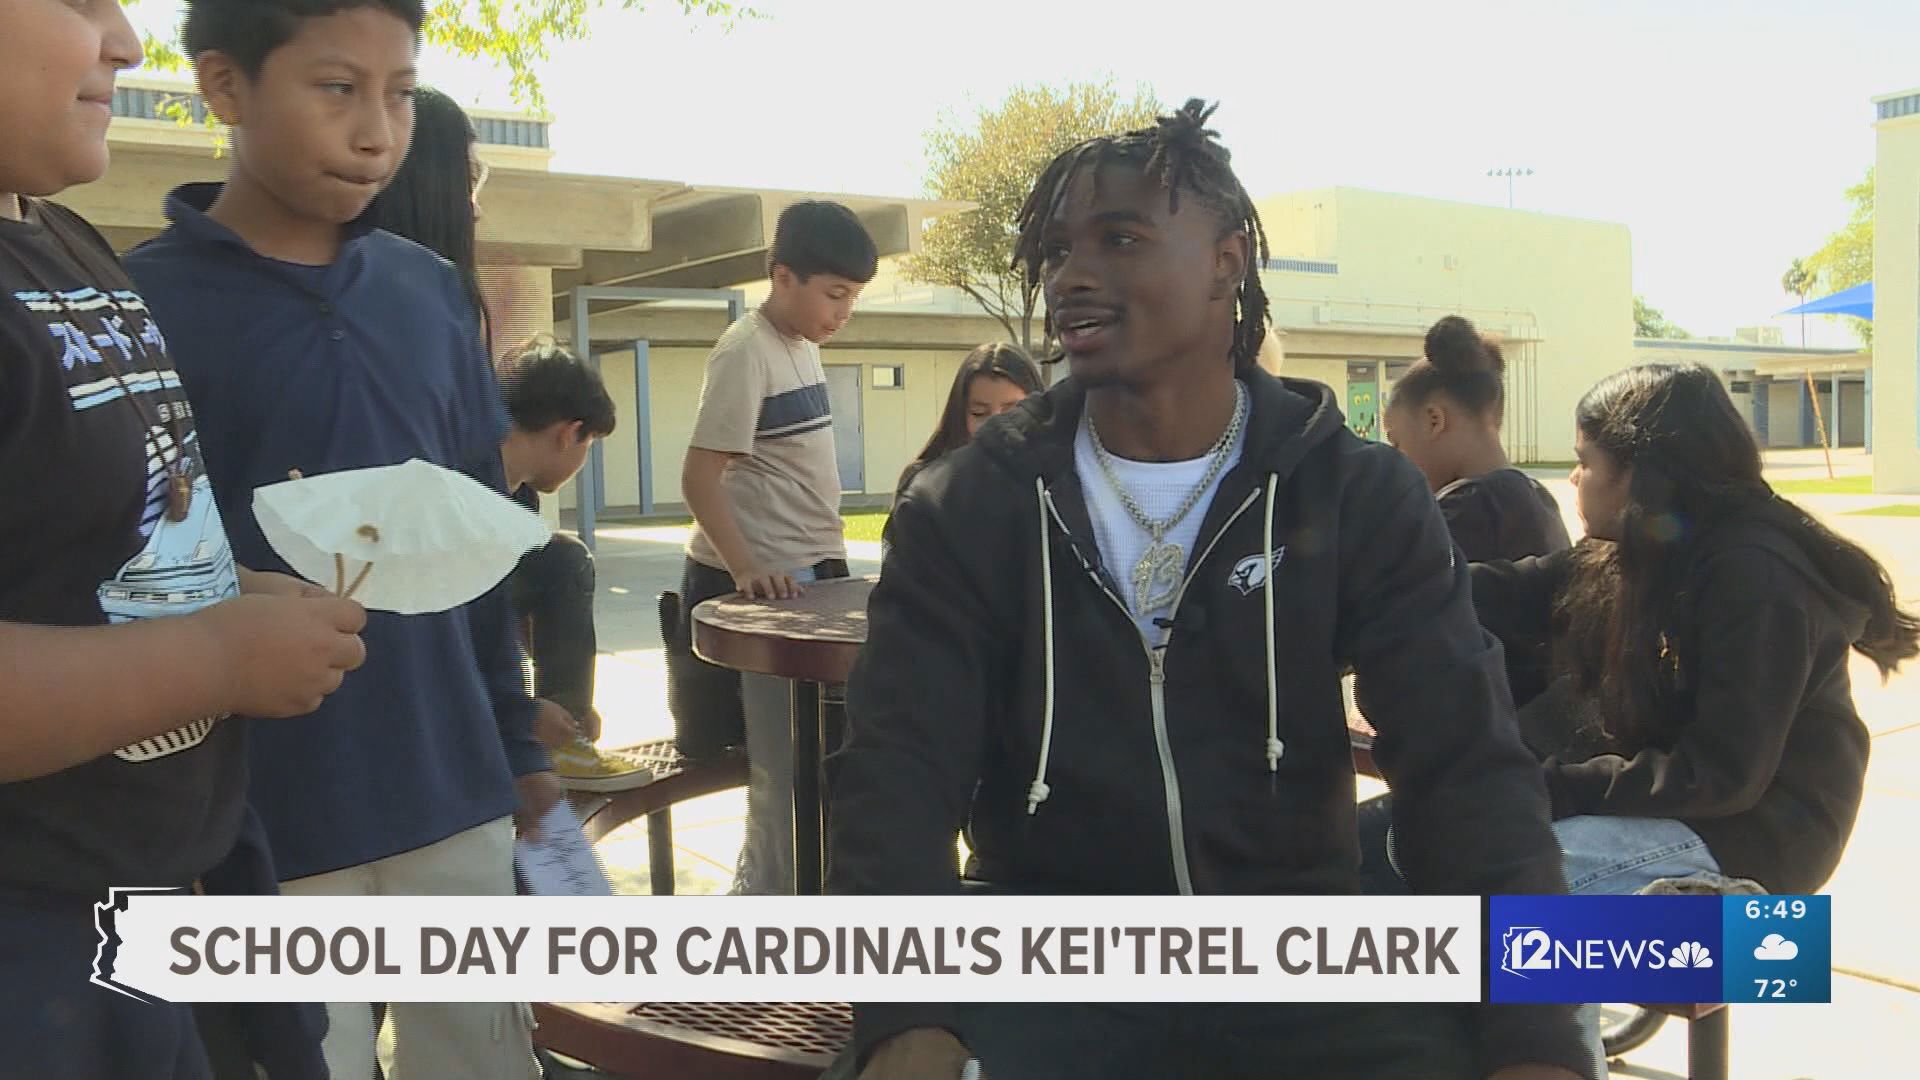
648, 272
1792, 397
1896, 294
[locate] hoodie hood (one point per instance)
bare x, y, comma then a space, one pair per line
1757, 532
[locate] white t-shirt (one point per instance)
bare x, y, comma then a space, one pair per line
765, 398
1158, 488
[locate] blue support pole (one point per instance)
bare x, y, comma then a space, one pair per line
643, 420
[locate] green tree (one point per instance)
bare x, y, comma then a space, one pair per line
1846, 259
1649, 322
516, 34
1799, 281
993, 161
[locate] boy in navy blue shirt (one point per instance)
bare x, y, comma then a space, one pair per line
314, 342
124, 646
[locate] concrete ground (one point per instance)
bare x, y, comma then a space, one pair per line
1868, 1031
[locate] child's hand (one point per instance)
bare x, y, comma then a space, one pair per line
267, 583
755, 584
537, 793
283, 655
554, 726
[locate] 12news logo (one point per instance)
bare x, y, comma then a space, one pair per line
1531, 948
1683, 948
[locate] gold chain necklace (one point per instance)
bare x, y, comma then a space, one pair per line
1156, 576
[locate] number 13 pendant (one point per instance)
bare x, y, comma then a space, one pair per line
1156, 577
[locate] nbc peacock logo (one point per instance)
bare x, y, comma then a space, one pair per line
1690, 954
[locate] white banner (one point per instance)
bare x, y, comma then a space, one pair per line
807, 948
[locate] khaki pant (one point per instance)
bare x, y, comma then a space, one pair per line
430, 1041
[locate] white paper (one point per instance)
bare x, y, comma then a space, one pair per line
429, 539
560, 861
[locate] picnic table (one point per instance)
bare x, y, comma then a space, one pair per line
811, 641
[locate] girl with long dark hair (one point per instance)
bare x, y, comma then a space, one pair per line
992, 379
434, 199
1701, 634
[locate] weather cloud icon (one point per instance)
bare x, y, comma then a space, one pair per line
1775, 947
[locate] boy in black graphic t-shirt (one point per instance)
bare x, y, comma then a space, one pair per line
124, 639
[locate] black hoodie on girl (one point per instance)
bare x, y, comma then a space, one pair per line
1764, 756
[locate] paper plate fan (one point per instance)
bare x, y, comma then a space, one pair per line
411, 538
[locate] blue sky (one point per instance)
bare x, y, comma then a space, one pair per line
1722, 133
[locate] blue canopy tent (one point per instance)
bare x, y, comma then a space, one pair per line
1856, 301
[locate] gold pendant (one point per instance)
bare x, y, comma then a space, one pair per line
1156, 577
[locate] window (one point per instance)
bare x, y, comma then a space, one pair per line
1894, 108
497, 131
889, 376
1301, 266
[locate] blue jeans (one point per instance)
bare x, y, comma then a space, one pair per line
1602, 856
1611, 856
553, 592
765, 864
1620, 856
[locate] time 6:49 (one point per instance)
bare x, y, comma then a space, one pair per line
1778, 909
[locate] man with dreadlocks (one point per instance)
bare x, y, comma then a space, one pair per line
1108, 642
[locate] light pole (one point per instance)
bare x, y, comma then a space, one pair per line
1511, 174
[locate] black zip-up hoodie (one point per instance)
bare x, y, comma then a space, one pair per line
1004, 689
1767, 758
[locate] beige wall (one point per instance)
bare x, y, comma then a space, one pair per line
898, 422
895, 422
1896, 307
1405, 261
1320, 370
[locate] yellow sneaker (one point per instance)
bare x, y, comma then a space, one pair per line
583, 766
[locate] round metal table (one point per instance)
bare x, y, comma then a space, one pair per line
811, 641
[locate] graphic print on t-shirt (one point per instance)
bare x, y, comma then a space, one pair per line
184, 565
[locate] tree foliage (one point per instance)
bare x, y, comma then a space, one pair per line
993, 160
1846, 259
1650, 322
518, 35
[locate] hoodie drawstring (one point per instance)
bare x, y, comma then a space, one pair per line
1274, 746
1037, 793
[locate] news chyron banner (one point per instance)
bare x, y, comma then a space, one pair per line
184, 948
1566, 949
1669, 949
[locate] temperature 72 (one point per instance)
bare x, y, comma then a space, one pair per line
1773, 988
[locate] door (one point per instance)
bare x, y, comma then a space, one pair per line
849, 438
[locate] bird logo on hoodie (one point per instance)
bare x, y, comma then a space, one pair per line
1250, 573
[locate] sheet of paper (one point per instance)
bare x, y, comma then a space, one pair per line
559, 861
